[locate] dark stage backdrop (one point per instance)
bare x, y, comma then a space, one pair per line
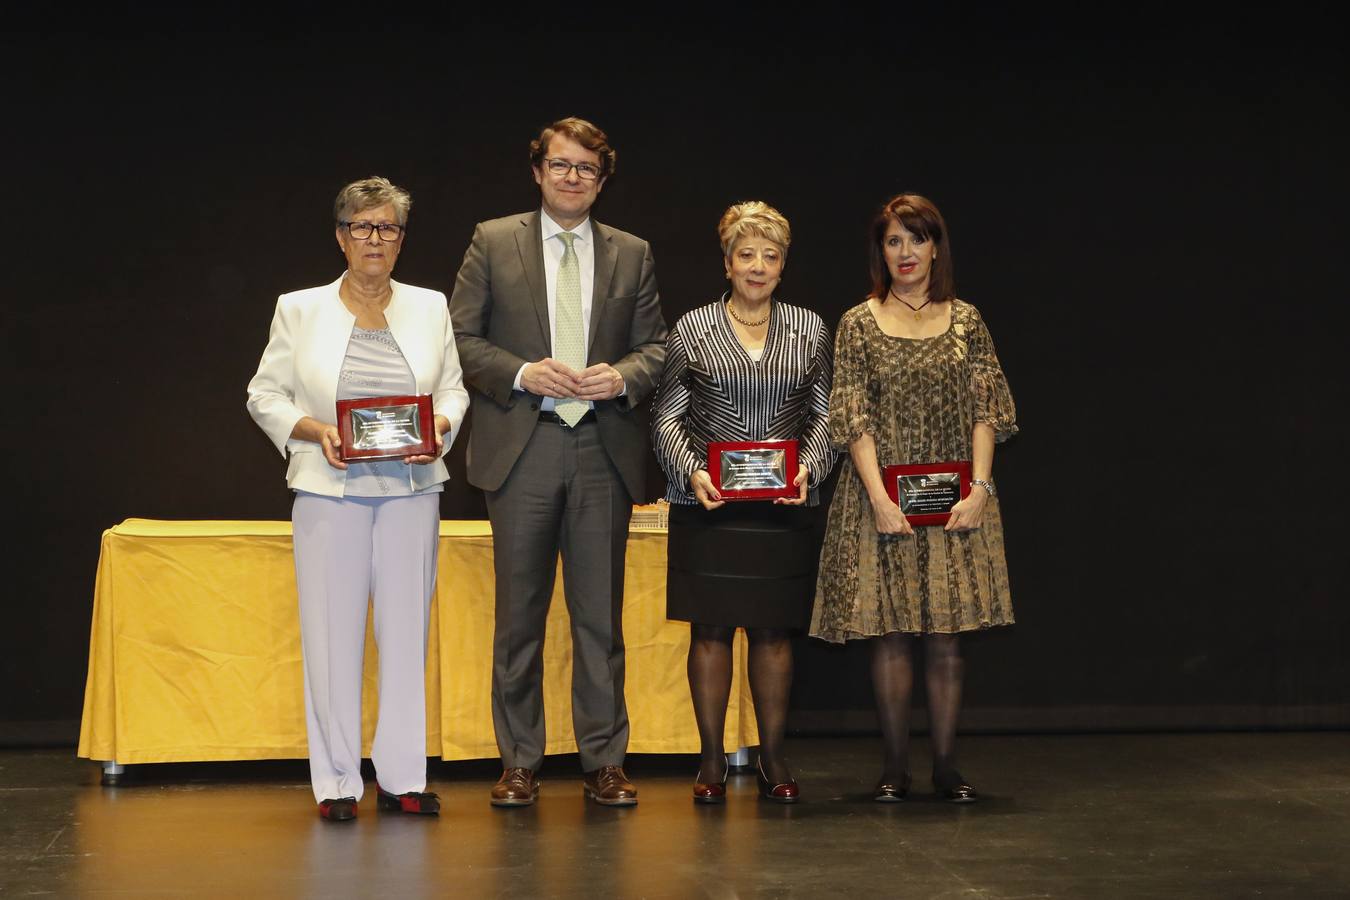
1152, 227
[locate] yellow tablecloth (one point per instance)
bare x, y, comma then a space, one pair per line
194, 650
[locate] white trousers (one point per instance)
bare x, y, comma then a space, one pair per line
349, 551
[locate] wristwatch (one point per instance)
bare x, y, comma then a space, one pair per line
987, 485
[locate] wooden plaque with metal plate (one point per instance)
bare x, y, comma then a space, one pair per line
753, 470
926, 492
376, 428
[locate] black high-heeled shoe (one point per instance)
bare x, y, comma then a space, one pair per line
786, 792
950, 786
711, 791
891, 791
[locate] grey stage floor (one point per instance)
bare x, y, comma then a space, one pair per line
1232, 815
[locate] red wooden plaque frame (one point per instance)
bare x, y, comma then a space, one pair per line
715, 450
426, 420
890, 474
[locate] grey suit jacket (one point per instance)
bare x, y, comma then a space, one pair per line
499, 311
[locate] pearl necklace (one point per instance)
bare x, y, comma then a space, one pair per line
732, 313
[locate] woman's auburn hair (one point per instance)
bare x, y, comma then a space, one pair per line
919, 216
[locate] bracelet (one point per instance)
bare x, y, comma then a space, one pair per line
988, 486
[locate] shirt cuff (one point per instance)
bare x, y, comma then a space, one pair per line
520, 373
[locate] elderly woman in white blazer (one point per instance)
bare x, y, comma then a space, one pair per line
362, 530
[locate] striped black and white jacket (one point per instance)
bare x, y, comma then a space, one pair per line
712, 390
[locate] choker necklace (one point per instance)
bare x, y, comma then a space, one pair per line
732, 312
902, 300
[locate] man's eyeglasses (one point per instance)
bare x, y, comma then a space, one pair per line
560, 168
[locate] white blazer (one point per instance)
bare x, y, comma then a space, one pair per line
298, 374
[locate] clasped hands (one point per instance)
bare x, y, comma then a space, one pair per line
710, 497
550, 378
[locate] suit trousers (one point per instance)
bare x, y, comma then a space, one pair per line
350, 551
563, 495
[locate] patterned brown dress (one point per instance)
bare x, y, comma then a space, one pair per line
920, 400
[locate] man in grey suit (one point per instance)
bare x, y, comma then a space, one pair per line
559, 329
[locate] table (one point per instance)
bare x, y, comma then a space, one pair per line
194, 650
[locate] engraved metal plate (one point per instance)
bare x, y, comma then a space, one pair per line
926, 492
753, 470
386, 428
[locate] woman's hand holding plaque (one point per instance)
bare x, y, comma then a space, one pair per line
754, 470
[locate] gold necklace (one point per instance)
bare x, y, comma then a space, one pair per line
749, 324
915, 308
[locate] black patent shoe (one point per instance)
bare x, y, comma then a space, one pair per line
417, 803
950, 786
342, 809
892, 792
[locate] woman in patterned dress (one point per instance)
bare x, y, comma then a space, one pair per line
917, 382
746, 368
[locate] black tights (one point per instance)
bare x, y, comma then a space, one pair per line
893, 684
770, 673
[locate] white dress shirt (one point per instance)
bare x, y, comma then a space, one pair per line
584, 247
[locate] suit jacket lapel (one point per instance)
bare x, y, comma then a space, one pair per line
530, 243
406, 331
605, 257
333, 325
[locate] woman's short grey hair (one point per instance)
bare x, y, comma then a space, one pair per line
753, 218
370, 193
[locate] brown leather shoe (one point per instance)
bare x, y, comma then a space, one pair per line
609, 786
516, 787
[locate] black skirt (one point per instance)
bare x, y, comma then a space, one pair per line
747, 564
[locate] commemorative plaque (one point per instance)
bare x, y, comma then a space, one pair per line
376, 428
927, 492
753, 470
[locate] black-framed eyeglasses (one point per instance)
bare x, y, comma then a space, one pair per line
560, 168
362, 230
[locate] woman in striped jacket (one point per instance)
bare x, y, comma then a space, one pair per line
746, 368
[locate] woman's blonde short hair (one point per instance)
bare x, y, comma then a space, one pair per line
369, 193
753, 218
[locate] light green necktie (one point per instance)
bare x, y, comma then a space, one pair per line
569, 343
